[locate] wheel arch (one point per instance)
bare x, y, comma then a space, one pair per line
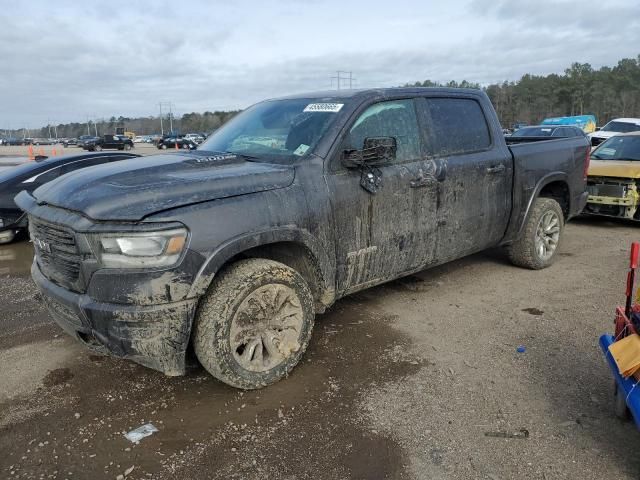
293, 247
553, 185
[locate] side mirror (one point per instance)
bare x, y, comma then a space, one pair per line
375, 151
598, 128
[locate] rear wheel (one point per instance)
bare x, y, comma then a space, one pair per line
254, 324
538, 243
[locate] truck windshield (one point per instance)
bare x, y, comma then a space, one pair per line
276, 130
622, 127
619, 148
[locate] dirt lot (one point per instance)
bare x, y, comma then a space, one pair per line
400, 381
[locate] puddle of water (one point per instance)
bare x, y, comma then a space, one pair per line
16, 258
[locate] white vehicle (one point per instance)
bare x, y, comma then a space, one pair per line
614, 127
195, 137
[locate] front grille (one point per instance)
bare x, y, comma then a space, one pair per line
607, 190
56, 251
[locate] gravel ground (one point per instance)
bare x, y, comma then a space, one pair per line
416, 379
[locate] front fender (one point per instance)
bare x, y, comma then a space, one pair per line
244, 242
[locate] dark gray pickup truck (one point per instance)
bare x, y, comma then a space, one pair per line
233, 248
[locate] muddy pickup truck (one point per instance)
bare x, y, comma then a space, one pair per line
228, 252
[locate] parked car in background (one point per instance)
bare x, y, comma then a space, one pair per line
548, 131
106, 142
614, 127
195, 137
614, 177
69, 142
176, 142
586, 123
13, 141
86, 139
31, 175
234, 247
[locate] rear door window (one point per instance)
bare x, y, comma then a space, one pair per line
455, 126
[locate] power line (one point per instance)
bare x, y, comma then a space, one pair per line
343, 75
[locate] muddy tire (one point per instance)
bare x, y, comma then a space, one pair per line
537, 246
254, 323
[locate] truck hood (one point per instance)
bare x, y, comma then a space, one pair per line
614, 168
130, 190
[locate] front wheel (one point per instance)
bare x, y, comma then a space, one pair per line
127, 146
97, 148
536, 248
254, 324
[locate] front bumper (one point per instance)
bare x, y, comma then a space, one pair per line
155, 336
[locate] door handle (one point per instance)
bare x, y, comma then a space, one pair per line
496, 169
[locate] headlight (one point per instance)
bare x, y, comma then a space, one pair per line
141, 250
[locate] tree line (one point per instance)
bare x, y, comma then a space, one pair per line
607, 92
189, 122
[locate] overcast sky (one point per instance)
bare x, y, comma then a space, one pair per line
64, 60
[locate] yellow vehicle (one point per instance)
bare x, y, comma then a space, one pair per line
614, 178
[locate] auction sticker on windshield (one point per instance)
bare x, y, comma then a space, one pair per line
323, 107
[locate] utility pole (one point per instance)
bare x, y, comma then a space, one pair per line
161, 127
170, 118
88, 131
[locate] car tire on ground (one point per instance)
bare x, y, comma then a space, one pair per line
537, 246
163, 146
254, 324
97, 148
127, 146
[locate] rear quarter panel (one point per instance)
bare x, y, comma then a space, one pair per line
536, 165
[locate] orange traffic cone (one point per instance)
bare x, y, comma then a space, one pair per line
177, 145
53, 152
41, 152
31, 156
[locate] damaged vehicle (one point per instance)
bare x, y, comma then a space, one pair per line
229, 251
614, 178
